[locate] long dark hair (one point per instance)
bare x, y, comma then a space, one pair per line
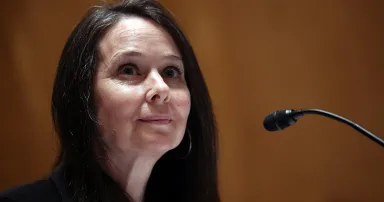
193, 178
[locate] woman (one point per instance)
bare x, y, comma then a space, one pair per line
132, 112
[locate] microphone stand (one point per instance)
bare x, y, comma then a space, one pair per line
343, 120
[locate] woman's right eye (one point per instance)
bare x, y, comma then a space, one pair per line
129, 69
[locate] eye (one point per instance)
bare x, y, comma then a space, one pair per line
129, 69
172, 72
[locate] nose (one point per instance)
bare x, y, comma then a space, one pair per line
158, 90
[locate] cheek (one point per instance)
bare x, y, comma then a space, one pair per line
183, 103
116, 105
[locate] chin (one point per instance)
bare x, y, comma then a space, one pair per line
159, 145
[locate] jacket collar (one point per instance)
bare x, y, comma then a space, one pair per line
58, 179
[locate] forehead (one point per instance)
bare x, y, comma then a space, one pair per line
137, 34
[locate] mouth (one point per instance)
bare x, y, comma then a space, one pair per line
156, 120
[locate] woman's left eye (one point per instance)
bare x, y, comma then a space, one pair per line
172, 72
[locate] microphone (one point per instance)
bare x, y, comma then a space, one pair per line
282, 119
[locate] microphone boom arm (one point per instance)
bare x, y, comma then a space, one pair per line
341, 119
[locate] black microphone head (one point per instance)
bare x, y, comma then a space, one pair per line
270, 123
280, 119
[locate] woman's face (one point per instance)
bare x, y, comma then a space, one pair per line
141, 95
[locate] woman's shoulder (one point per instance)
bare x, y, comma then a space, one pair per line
42, 190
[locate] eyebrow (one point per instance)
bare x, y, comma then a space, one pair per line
137, 53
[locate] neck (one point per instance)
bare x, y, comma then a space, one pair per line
132, 173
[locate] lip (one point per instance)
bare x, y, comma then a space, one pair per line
156, 119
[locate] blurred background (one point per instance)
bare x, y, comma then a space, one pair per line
257, 56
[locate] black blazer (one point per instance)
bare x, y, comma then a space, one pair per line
52, 189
